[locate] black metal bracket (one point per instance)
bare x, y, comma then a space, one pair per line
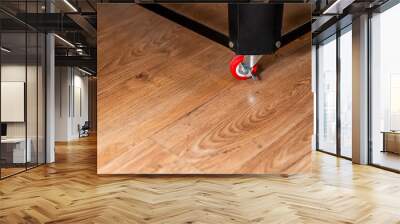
188, 23
296, 33
254, 29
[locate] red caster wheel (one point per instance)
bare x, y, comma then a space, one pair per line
240, 70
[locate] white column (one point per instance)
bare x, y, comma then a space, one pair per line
360, 90
50, 92
50, 99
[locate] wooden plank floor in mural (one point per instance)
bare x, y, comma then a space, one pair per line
167, 103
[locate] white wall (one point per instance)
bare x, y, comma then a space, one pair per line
62, 81
12, 101
80, 110
12, 73
71, 102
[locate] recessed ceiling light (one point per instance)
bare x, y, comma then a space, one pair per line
70, 5
337, 7
64, 40
84, 71
5, 50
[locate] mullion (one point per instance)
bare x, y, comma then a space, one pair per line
45, 88
338, 94
317, 96
37, 90
369, 100
26, 88
0, 97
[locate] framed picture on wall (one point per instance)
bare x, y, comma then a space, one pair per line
12, 101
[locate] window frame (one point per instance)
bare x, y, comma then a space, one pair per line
378, 10
336, 35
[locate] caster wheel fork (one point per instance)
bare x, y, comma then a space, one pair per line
243, 70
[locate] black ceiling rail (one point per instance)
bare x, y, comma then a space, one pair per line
211, 1
16, 19
213, 34
50, 22
86, 61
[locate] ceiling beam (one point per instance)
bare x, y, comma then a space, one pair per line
78, 61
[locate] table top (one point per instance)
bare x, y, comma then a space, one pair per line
13, 140
391, 132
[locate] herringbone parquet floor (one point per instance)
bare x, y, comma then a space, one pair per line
69, 191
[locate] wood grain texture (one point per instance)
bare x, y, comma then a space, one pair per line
295, 15
213, 15
70, 191
167, 103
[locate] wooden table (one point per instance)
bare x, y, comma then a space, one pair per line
391, 141
16, 154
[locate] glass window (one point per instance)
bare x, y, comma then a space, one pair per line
327, 95
22, 93
346, 92
32, 87
32, 95
14, 151
385, 89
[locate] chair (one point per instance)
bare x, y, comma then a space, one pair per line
84, 130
